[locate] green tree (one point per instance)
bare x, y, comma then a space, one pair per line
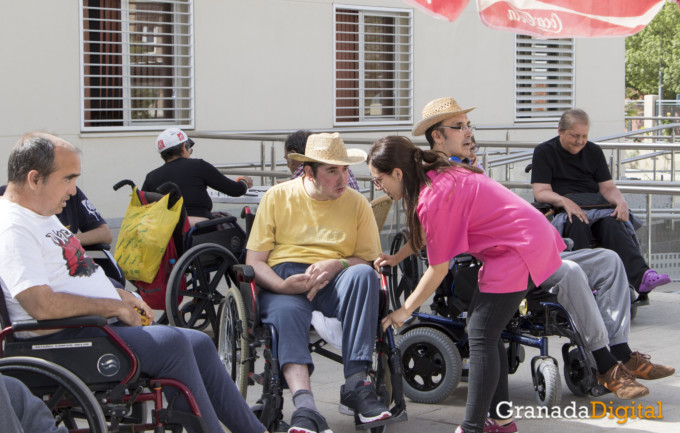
658, 43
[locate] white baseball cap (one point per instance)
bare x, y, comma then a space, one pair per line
172, 137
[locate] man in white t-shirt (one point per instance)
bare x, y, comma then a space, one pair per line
45, 274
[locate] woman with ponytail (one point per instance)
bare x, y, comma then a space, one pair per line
454, 209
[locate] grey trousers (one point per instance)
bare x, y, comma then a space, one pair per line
352, 297
21, 411
604, 319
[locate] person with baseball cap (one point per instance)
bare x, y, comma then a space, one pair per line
192, 176
312, 245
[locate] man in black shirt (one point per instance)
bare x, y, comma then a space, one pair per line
191, 175
566, 167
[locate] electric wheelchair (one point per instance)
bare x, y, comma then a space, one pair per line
92, 384
434, 345
197, 264
243, 339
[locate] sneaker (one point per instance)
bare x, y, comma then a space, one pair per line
308, 421
651, 280
641, 367
622, 383
364, 401
491, 426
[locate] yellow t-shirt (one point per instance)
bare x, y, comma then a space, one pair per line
296, 228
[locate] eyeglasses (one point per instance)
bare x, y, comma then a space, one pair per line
462, 128
377, 181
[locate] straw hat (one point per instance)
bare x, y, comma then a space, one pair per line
436, 111
329, 149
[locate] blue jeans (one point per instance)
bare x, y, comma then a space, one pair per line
352, 297
190, 357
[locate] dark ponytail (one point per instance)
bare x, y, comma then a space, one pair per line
392, 152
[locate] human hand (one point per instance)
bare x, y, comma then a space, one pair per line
621, 212
385, 260
295, 284
136, 303
320, 274
128, 315
248, 180
574, 210
395, 319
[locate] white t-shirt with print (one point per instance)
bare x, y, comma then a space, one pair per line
37, 250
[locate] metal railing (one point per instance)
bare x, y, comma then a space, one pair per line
498, 154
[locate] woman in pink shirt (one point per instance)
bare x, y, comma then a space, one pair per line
454, 209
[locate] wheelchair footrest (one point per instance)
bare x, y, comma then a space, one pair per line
398, 417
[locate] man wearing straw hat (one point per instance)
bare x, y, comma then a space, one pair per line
311, 246
447, 129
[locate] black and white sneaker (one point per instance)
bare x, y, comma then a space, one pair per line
364, 401
308, 421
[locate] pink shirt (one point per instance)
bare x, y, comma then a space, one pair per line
466, 212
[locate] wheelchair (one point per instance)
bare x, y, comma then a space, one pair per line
92, 384
242, 334
197, 264
243, 339
434, 345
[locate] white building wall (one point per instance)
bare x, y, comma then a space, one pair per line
268, 64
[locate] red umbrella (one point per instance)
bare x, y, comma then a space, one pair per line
555, 18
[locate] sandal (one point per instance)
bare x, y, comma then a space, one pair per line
652, 280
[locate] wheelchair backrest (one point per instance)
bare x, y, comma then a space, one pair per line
226, 233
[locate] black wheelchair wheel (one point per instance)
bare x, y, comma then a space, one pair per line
547, 384
405, 276
576, 373
195, 279
232, 345
431, 364
69, 399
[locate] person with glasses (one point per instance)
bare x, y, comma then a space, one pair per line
447, 129
473, 160
192, 176
571, 173
455, 208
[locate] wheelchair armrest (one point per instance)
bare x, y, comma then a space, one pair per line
542, 207
69, 322
245, 271
97, 247
214, 222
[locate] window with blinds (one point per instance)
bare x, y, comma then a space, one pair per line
544, 78
373, 65
137, 64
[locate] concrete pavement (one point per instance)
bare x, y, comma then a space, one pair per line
655, 331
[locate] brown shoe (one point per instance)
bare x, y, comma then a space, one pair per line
642, 368
622, 383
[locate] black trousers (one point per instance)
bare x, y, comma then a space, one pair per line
611, 234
